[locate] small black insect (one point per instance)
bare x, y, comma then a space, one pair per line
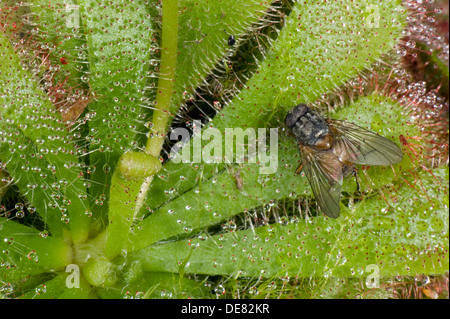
329, 150
231, 41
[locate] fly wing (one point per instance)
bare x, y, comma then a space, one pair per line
324, 173
360, 146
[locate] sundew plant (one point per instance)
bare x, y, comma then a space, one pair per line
96, 204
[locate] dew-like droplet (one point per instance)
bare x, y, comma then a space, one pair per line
411, 44
272, 285
219, 290
43, 234
65, 218
98, 202
8, 240
253, 291
20, 214
106, 168
32, 255
41, 289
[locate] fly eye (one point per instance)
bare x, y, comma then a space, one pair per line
290, 119
294, 114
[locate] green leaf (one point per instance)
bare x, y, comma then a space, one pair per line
203, 205
321, 47
201, 220
60, 28
34, 179
406, 235
119, 40
26, 251
23, 104
215, 39
203, 38
56, 288
122, 212
154, 285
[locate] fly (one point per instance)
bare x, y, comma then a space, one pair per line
329, 150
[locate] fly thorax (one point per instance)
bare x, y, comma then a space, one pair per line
310, 129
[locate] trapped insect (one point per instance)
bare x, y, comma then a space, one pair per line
231, 40
329, 150
238, 179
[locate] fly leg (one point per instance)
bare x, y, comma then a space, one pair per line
299, 168
351, 170
358, 187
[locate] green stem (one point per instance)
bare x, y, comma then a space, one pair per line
166, 77
164, 93
134, 165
